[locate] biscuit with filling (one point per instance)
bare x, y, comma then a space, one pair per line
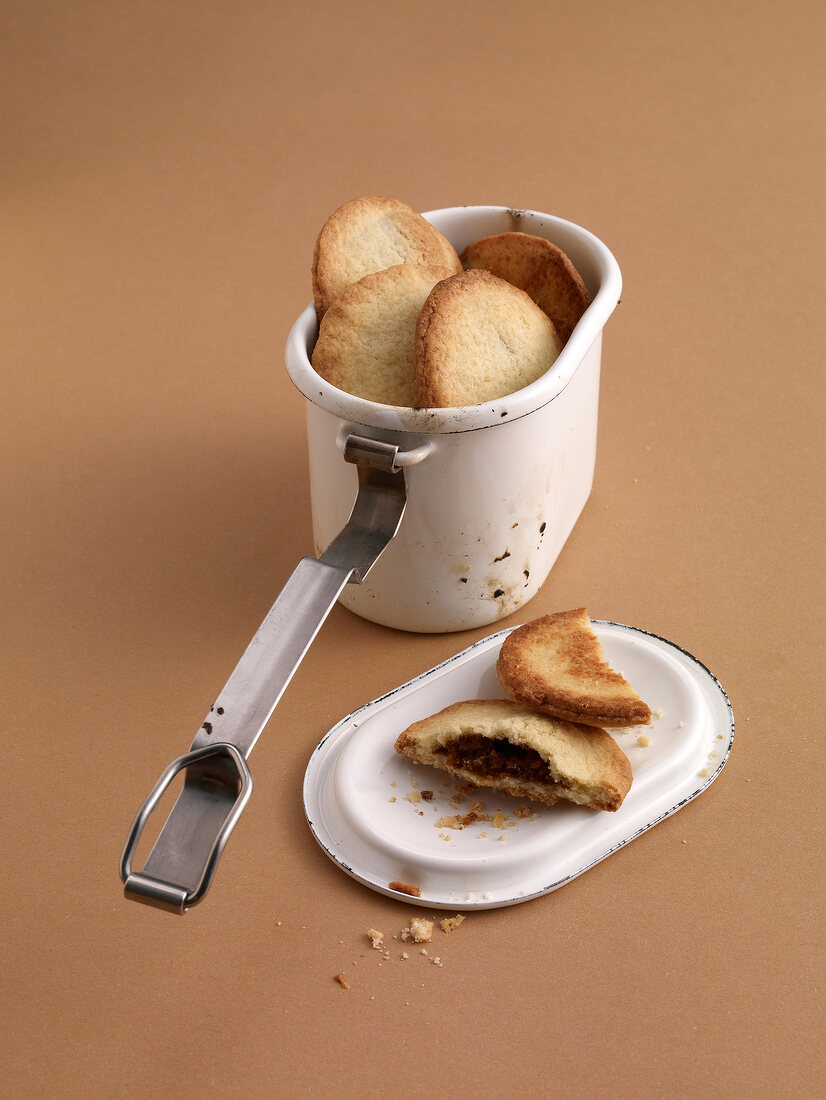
368, 234
539, 268
556, 665
365, 342
498, 743
479, 338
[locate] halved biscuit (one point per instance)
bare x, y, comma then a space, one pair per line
365, 342
368, 234
500, 744
540, 269
479, 338
556, 664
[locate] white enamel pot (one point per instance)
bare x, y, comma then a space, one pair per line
459, 515
493, 490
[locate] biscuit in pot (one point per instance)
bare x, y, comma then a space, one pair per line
556, 665
499, 744
365, 341
539, 268
479, 338
368, 234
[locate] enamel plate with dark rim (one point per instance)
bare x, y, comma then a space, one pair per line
364, 801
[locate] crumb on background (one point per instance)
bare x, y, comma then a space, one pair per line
420, 930
342, 981
450, 924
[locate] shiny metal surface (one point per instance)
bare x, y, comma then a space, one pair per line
180, 866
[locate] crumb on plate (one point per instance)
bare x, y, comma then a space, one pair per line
410, 888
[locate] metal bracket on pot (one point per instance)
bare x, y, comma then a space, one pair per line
217, 786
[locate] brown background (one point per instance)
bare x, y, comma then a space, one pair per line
166, 168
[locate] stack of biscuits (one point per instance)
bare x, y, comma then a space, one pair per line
548, 740
404, 320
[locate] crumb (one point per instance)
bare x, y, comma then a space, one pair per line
413, 796
644, 741
393, 784
680, 725
376, 938
704, 772
658, 712
427, 795
410, 888
420, 930
522, 811
342, 981
499, 820
449, 924
483, 836
437, 961
393, 799
404, 955
459, 821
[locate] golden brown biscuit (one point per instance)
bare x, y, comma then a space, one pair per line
365, 342
540, 269
500, 744
479, 338
556, 665
368, 234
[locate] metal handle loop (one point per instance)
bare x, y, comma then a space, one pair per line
348, 434
144, 886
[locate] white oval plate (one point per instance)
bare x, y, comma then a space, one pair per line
363, 800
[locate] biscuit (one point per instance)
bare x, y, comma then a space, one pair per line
479, 338
500, 744
368, 234
556, 665
539, 268
365, 342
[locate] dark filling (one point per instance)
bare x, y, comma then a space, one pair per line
486, 756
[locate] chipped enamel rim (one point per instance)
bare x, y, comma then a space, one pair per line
462, 225
367, 832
